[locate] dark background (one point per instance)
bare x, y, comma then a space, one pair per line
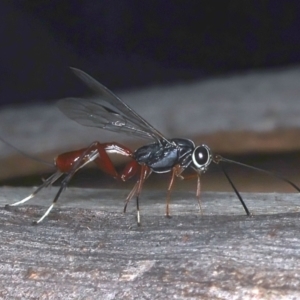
127, 44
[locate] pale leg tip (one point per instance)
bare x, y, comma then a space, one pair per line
138, 217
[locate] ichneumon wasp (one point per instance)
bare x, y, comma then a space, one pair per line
162, 155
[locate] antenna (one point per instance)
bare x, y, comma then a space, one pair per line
218, 159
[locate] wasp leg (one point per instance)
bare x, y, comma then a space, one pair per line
104, 162
86, 157
145, 172
176, 171
130, 170
169, 193
66, 161
198, 189
71, 162
49, 181
130, 196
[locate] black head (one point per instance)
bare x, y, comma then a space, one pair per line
202, 157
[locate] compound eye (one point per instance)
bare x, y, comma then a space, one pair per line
201, 157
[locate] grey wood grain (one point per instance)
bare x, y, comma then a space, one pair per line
89, 249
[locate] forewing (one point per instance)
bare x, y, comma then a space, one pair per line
106, 111
89, 112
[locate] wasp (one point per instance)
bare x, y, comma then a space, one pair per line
161, 155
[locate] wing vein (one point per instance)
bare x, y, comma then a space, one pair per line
105, 110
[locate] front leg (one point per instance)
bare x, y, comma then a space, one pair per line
177, 172
198, 189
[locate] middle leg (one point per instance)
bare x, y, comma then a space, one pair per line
177, 172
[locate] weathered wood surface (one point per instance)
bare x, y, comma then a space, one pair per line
89, 249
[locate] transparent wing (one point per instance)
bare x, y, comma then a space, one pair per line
105, 110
